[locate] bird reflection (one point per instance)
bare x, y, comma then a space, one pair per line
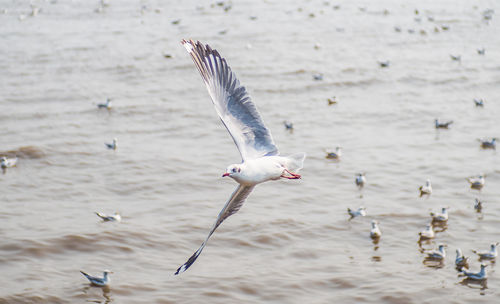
106, 294
475, 284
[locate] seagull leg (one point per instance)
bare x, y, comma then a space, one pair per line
293, 175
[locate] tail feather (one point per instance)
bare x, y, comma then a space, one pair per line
296, 161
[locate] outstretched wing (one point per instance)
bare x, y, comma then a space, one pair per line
232, 206
232, 102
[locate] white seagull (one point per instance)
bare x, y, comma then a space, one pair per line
375, 231
476, 182
426, 189
439, 254
481, 275
461, 260
440, 217
360, 180
488, 144
492, 254
113, 145
427, 234
7, 163
442, 125
355, 213
110, 217
334, 155
261, 161
101, 282
106, 105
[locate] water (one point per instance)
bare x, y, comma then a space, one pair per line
291, 242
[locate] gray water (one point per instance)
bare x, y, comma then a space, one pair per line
292, 241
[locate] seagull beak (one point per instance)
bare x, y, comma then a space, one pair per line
225, 174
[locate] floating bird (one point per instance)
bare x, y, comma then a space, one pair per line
106, 105
177, 21
355, 213
442, 125
101, 282
456, 57
445, 27
332, 101
481, 51
397, 29
335, 155
488, 144
479, 102
112, 145
461, 260
427, 233
476, 182
375, 231
384, 64
261, 160
318, 76
440, 217
426, 189
7, 163
360, 179
110, 218
439, 254
485, 255
478, 205
288, 125
481, 275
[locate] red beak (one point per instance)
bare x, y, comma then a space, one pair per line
225, 174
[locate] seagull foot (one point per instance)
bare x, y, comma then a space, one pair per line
291, 176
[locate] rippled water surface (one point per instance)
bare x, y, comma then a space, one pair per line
292, 241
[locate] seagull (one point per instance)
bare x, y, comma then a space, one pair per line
335, 155
318, 76
476, 182
426, 189
492, 254
332, 101
478, 205
481, 51
488, 144
101, 282
261, 161
7, 163
481, 275
440, 217
375, 231
288, 125
110, 217
112, 145
355, 213
479, 102
360, 180
106, 105
384, 64
427, 234
442, 125
439, 254
461, 260
455, 57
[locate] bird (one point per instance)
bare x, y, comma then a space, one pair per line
455, 57
101, 282
384, 64
481, 51
355, 213
461, 260
288, 125
488, 144
478, 205
442, 125
318, 76
476, 182
440, 217
112, 145
479, 102
488, 255
332, 101
106, 105
439, 254
426, 189
481, 275
7, 163
110, 217
427, 233
335, 155
360, 180
375, 231
261, 161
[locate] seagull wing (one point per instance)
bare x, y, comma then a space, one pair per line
232, 206
232, 102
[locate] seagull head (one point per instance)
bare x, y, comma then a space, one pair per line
232, 171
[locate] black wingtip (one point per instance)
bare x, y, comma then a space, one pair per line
189, 262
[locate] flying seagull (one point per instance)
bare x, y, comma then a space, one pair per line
260, 157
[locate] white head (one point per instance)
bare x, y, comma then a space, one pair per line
428, 182
494, 247
374, 223
3, 159
459, 253
233, 171
115, 140
106, 272
441, 248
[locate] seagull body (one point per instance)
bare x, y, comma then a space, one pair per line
478, 205
7, 162
384, 64
288, 125
113, 145
106, 105
427, 233
439, 254
461, 260
488, 144
355, 213
488, 255
440, 217
479, 102
476, 182
375, 231
332, 101
360, 180
481, 51
318, 76
455, 57
481, 275
110, 217
335, 155
442, 125
101, 282
426, 189
260, 157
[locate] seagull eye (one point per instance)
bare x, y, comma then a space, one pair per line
234, 170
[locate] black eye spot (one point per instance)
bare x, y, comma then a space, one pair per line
234, 170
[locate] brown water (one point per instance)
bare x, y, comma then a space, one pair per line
291, 242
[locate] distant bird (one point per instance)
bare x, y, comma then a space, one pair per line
445, 27
106, 105
488, 144
488, 255
476, 182
426, 189
479, 102
478, 206
101, 282
411, 31
456, 57
384, 64
481, 275
360, 180
177, 21
397, 29
7, 163
288, 125
375, 231
110, 217
440, 217
318, 76
332, 101
439, 254
112, 145
442, 125
481, 51
427, 233
461, 260
335, 155
355, 213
